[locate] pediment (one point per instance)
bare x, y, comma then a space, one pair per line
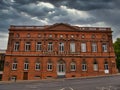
61, 26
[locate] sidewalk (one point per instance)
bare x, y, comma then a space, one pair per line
29, 81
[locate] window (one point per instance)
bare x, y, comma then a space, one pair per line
16, 46
28, 35
14, 66
61, 47
72, 47
50, 46
27, 46
38, 46
61, 36
83, 47
106, 65
95, 66
37, 66
26, 66
84, 66
94, 47
39, 35
93, 36
83, 36
104, 47
50, 36
17, 35
72, 36
73, 66
49, 66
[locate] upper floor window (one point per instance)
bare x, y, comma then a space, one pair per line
50, 36
61, 36
83, 47
94, 47
49, 66
93, 36
17, 35
26, 65
14, 65
72, 36
37, 66
84, 66
104, 47
50, 46
95, 66
38, 46
61, 46
16, 46
27, 46
28, 35
83, 36
73, 66
39, 35
72, 47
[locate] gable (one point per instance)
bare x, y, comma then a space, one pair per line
61, 26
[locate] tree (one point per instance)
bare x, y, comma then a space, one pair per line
117, 52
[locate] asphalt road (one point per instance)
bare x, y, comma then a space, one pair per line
97, 83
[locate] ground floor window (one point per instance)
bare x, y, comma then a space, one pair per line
73, 66
49, 66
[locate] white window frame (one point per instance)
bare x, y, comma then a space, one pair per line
37, 66
72, 47
49, 67
50, 47
106, 66
95, 67
27, 46
61, 47
104, 47
16, 46
14, 66
83, 47
94, 47
84, 67
26, 66
73, 66
38, 46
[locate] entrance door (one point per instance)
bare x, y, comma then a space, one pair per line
25, 76
61, 69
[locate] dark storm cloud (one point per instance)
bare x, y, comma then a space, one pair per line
76, 12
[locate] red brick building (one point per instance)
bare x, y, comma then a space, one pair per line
59, 50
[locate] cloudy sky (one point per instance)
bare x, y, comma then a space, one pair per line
102, 13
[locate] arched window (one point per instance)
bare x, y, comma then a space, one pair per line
84, 65
73, 66
95, 65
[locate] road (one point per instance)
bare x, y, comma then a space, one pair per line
97, 83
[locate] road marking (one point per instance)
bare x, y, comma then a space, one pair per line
67, 88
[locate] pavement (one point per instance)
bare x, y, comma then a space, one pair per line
60, 79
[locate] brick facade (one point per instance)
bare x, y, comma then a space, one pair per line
59, 50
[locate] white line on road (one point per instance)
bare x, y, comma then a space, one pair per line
67, 88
